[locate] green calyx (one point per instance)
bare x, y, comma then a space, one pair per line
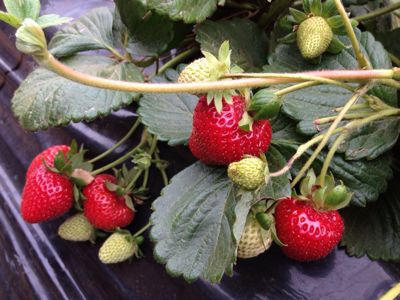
31, 39
73, 165
264, 105
315, 28
327, 196
248, 173
211, 68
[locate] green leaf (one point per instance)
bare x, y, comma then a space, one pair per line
241, 34
374, 230
45, 99
10, 19
23, 9
277, 187
92, 31
366, 178
52, 20
169, 116
149, 32
190, 11
195, 223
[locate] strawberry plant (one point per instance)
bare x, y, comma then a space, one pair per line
290, 107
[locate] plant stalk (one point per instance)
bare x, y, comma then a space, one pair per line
119, 143
329, 157
275, 78
177, 59
329, 133
378, 12
362, 61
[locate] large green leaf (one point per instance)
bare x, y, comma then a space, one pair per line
45, 99
247, 41
23, 8
309, 104
375, 230
169, 116
366, 178
197, 222
150, 33
92, 31
190, 11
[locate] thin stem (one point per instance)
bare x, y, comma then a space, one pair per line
296, 87
69, 73
143, 229
355, 107
394, 58
329, 133
145, 178
378, 12
362, 61
119, 143
389, 82
162, 170
130, 185
354, 124
348, 116
329, 157
116, 53
177, 59
119, 160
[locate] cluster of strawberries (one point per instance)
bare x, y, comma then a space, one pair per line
306, 229
55, 181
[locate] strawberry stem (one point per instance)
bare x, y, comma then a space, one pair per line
119, 160
329, 133
362, 61
378, 12
348, 116
177, 59
119, 143
143, 229
329, 157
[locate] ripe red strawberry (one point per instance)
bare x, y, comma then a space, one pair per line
308, 233
217, 139
48, 155
46, 195
105, 209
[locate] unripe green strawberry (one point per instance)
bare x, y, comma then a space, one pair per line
77, 228
313, 37
254, 240
117, 248
197, 71
248, 173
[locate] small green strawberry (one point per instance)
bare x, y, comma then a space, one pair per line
254, 240
118, 247
77, 228
248, 173
315, 29
197, 71
314, 36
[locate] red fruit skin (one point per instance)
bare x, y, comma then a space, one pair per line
48, 156
309, 234
104, 209
217, 139
46, 195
